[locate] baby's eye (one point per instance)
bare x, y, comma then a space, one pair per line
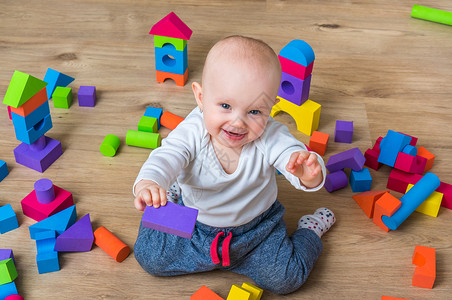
225, 106
255, 112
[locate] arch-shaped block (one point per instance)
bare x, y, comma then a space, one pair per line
298, 51
306, 116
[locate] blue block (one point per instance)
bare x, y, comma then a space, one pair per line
164, 63
360, 181
58, 222
8, 289
3, 170
48, 262
8, 219
298, 51
391, 145
30, 128
411, 150
46, 245
154, 112
54, 79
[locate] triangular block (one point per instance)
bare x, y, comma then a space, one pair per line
21, 88
366, 200
58, 222
172, 26
79, 237
54, 79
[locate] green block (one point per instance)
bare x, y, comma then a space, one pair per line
148, 124
110, 145
21, 88
431, 14
143, 139
8, 271
62, 97
179, 44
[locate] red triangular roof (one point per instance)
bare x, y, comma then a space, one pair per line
172, 26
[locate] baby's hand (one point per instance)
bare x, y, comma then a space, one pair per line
306, 167
149, 193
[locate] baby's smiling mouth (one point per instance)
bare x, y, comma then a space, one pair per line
234, 135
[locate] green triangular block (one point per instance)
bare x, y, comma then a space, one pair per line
58, 222
21, 88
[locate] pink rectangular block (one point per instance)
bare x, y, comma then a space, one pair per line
295, 69
376, 146
446, 190
410, 164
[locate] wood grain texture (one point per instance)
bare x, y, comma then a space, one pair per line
374, 65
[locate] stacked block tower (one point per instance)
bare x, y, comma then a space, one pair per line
27, 97
170, 42
297, 60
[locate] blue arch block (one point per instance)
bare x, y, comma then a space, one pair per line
298, 51
163, 61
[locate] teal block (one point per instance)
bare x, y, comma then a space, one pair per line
8, 289
164, 62
58, 222
298, 51
8, 219
54, 79
154, 112
3, 170
360, 181
30, 128
390, 146
48, 262
45, 245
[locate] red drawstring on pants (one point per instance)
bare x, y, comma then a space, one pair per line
224, 252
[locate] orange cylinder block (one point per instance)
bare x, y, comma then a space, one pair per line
170, 120
112, 245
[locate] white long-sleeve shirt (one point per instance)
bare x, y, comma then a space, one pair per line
223, 200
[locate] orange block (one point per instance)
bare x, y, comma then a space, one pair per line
392, 298
425, 273
319, 142
34, 102
421, 151
112, 245
170, 120
204, 293
366, 200
387, 205
178, 78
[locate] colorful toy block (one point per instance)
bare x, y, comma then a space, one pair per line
256, 292
33, 103
392, 298
409, 149
62, 97
58, 222
343, 132
399, 180
9, 112
3, 170
148, 124
45, 193
431, 205
352, 158
21, 88
306, 116
294, 89
335, 181
298, 51
319, 142
172, 26
446, 190
238, 293
386, 205
54, 79
111, 244
376, 146
180, 80
37, 158
431, 14
204, 293
154, 112
360, 181
48, 262
8, 219
391, 145
412, 199
32, 208
7, 290
170, 120
14, 297
45, 244
366, 200
6, 254
110, 145
371, 157
8, 271
78, 237
143, 139
168, 59
172, 218
421, 151
295, 69
30, 128
409, 163
425, 273
87, 96
178, 44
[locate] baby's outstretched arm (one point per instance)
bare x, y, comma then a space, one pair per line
149, 193
306, 167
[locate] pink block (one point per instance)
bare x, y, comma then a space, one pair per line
398, 180
295, 69
32, 208
371, 156
9, 112
446, 190
410, 164
172, 26
376, 146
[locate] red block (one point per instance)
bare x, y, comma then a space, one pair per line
398, 180
371, 156
376, 146
446, 190
295, 69
204, 293
410, 164
319, 142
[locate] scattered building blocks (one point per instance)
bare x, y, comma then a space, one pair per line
33, 103
3, 170
391, 145
6, 254
111, 244
54, 79
319, 142
399, 180
412, 199
58, 222
431, 205
170, 120
387, 205
431, 14
238, 293
172, 218
294, 89
371, 157
8, 271
110, 145
48, 262
421, 151
343, 132
21, 88
38, 159
335, 181
446, 190
7, 290
256, 292
78, 237
409, 163
295, 69
87, 96
8, 219
352, 158
425, 273
366, 200
148, 124
143, 139
360, 181
62, 97
204, 293
154, 112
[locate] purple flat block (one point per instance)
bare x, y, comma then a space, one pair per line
38, 160
294, 89
87, 96
6, 254
343, 133
78, 237
44, 190
335, 181
352, 158
172, 218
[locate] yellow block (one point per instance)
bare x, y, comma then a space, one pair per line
256, 292
307, 115
238, 293
431, 205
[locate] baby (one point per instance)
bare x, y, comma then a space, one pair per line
221, 160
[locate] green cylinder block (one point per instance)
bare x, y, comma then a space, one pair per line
110, 145
432, 14
143, 139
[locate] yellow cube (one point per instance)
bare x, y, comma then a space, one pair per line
431, 205
256, 292
238, 293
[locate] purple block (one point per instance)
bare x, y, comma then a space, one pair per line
172, 218
87, 96
352, 158
343, 132
78, 237
294, 89
44, 191
6, 254
335, 181
38, 160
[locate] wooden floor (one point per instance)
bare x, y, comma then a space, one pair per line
375, 66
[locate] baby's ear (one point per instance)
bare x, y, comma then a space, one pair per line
197, 91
